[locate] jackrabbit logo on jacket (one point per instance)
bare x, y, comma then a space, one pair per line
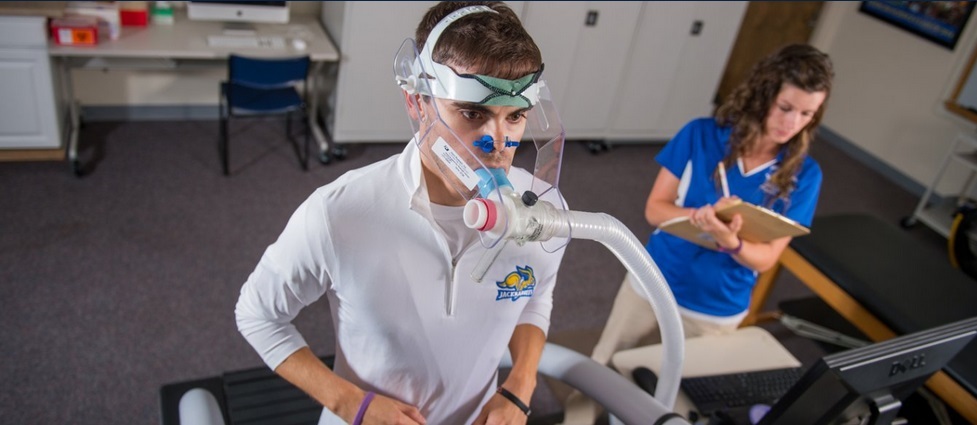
518, 284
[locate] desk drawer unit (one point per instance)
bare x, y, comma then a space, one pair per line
28, 112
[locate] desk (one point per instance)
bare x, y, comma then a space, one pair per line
748, 349
184, 44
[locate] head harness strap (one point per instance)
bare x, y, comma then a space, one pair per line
438, 80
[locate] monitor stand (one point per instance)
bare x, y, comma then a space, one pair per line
238, 28
884, 407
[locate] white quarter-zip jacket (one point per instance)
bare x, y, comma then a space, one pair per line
410, 322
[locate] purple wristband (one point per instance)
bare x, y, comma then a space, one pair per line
363, 405
733, 251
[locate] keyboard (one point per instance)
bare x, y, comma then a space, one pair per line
715, 393
246, 42
723, 392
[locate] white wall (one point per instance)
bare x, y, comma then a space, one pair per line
889, 90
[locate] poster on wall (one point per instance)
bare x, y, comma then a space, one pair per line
939, 21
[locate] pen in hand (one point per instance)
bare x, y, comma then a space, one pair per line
722, 179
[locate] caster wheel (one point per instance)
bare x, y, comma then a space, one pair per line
598, 146
76, 168
339, 152
594, 148
325, 158
907, 222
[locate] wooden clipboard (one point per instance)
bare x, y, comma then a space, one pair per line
759, 225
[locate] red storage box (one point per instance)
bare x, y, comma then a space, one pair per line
134, 18
75, 30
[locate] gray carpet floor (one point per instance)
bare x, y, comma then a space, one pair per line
119, 282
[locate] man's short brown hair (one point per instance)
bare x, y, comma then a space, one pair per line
493, 44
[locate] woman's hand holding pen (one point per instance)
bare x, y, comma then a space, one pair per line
723, 233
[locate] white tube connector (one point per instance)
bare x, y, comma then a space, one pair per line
514, 219
510, 216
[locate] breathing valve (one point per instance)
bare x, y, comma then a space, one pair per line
503, 213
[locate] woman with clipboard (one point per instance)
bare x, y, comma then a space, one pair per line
759, 138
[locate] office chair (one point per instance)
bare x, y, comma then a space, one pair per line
264, 87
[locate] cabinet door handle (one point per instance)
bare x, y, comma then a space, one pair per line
591, 18
696, 27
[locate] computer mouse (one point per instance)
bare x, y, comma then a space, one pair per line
299, 44
757, 411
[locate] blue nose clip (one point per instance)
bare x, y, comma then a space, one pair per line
487, 144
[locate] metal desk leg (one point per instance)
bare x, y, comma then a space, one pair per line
74, 120
73, 138
321, 137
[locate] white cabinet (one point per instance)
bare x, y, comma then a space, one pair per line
368, 106
633, 70
29, 118
617, 70
673, 74
584, 63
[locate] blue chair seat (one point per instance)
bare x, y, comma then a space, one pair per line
251, 100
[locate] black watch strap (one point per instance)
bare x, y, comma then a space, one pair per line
515, 400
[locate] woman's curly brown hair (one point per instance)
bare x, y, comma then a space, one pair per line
745, 110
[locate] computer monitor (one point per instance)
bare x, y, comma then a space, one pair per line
870, 381
238, 11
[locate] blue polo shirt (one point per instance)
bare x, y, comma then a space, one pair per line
704, 280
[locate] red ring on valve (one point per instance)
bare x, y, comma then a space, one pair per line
490, 214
